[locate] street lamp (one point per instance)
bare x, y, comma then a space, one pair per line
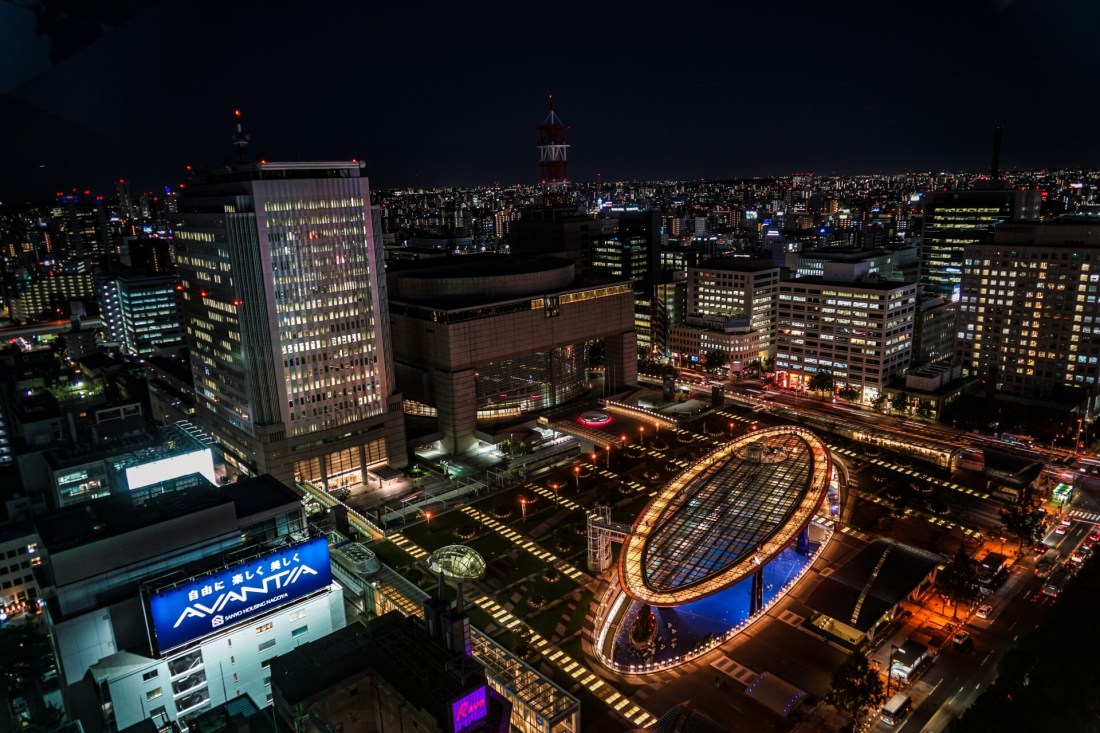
577, 477
523, 508
609, 456
428, 519
641, 435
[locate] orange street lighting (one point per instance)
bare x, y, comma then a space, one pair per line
577, 476
523, 507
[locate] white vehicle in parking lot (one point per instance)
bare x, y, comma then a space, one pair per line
984, 611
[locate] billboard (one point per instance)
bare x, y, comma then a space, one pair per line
469, 710
145, 474
228, 597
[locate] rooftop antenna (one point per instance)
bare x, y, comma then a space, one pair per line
240, 139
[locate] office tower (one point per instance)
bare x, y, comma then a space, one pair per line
142, 313
1029, 318
147, 254
78, 223
737, 287
50, 298
859, 330
955, 219
669, 306
934, 331
561, 231
630, 249
285, 303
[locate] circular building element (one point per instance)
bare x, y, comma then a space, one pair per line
722, 519
595, 419
458, 562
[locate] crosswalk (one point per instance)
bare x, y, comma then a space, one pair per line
733, 669
620, 704
930, 518
912, 473
1083, 516
525, 544
555, 656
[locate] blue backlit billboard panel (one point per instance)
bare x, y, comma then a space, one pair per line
469, 710
213, 602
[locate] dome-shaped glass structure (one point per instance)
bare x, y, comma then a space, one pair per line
458, 562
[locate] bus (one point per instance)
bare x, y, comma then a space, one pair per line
1025, 440
894, 711
1055, 582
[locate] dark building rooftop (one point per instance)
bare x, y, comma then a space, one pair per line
740, 264
70, 527
861, 590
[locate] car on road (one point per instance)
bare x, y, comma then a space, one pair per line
1060, 529
984, 610
962, 641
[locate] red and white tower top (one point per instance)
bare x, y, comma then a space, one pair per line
553, 150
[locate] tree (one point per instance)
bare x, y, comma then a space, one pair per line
959, 580
715, 360
856, 688
924, 409
1022, 521
879, 401
900, 402
821, 381
849, 392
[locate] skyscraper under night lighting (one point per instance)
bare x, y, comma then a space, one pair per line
287, 320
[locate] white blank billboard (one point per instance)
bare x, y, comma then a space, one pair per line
201, 461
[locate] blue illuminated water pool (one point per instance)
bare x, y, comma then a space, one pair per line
681, 629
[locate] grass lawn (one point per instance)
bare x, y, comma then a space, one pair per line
490, 545
391, 554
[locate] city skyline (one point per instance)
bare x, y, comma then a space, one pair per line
452, 97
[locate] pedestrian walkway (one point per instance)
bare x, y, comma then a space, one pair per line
583, 676
910, 472
732, 669
1092, 517
523, 543
930, 518
554, 656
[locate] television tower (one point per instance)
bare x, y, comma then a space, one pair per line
553, 149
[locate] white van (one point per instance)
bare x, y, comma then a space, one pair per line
895, 710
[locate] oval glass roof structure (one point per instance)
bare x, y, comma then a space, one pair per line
734, 510
458, 562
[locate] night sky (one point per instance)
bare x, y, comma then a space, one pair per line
449, 94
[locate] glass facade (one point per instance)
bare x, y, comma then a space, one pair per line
533, 382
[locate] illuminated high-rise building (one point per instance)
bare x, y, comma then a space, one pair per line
287, 320
955, 219
141, 312
737, 287
1029, 319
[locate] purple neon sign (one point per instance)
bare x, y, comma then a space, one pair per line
469, 710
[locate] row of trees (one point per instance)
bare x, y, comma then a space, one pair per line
857, 688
